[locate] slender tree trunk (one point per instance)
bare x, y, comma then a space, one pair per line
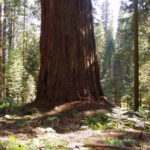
14, 26
117, 78
117, 93
24, 47
69, 67
136, 57
1, 46
4, 49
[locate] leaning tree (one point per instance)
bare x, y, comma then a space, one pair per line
69, 67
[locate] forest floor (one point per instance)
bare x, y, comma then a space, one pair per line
76, 127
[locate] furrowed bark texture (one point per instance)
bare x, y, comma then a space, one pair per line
69, 67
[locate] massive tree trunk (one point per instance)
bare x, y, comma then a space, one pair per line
69, 67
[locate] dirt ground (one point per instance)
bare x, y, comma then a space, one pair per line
62, 127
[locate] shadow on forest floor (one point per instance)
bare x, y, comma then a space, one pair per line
73, 125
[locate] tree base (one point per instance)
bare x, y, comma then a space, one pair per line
64, 107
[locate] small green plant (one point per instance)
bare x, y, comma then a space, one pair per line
98, 126
1, 145
4, 105
21, 123
14, 144
55, 148
103, 117
148, 130
121, 129
52, 118
144, 112
91, 121
115, 142
130, 123
6, 102
99, 122
118, 142
34, 111
110, 125
127, 140
73, 113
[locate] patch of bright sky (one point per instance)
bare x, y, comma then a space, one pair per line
115, 6
114, 10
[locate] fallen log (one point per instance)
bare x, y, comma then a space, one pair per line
107, 146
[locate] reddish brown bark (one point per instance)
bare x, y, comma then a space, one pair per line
69, 67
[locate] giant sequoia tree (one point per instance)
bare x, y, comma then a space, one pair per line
69, 67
